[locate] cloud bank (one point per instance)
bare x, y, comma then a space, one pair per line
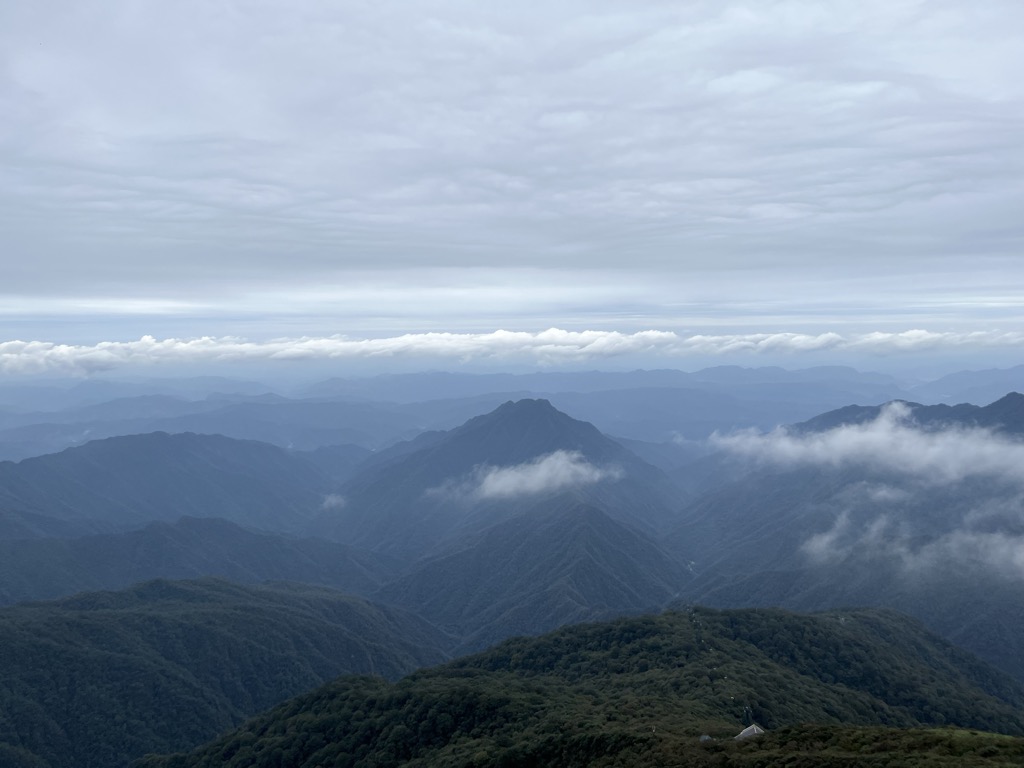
891, 443
550, 473
551, 347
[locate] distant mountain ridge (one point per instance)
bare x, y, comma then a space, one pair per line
654, 406
124, 482
189, 548
1005, 414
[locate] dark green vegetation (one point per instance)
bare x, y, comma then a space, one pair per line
641, 691
97, 679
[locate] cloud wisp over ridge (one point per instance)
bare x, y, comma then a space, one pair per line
893, 443
551, 473
550, 347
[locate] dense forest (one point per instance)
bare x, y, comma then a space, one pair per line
643, 691
97, 679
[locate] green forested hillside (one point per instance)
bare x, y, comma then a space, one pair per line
97, 679
641, 691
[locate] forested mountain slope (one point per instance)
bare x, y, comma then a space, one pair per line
97, 679
636, 692
563, 563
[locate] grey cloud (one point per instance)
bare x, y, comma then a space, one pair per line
202, 147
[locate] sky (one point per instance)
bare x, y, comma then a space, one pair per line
448, 183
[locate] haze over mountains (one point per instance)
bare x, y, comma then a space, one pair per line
481, 517
643, 405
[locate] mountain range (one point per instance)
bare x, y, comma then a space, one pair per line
516, 522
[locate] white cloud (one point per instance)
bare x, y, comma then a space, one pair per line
890, 443
549, 347
824, 547
556, 471
919, 517
917, 550
550, 473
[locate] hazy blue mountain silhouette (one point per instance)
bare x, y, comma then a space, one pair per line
188, 548
422, 497
132, 480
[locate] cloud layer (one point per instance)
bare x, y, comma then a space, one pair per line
551, 347
766, 159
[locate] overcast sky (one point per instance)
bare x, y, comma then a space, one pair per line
806, 179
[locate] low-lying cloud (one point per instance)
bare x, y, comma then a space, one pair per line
549, 347
333, 501
550, 473
891, 536
918, 517
893, 443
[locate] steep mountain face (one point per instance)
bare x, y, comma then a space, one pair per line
42, 569
562, 564
639, 692
492, 468
96, 680
920, 511
129, 481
